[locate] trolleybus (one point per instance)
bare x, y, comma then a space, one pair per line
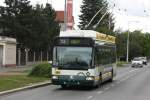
83, 58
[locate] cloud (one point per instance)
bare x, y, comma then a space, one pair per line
133, 7
132, 23
132, 14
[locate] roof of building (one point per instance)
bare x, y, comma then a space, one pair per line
4, 39
60, 16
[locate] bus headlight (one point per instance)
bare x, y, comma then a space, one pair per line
55, 77
90, 78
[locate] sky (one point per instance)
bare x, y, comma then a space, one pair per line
128, 14
132, 14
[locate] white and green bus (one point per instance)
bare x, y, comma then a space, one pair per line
83, 58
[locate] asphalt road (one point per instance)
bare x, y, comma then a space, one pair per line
129, 84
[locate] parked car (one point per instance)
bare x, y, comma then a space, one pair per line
144, 59
137, 62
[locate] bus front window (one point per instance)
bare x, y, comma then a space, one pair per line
72, 57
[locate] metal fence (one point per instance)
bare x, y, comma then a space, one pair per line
27, 57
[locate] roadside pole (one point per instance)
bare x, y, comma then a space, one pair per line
128, 47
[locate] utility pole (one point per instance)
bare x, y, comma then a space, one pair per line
127, 56
128, 46
128, 39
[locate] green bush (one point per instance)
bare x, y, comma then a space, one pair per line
41, 70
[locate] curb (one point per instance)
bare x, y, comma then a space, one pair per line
25, 88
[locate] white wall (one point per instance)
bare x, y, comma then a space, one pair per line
10, 54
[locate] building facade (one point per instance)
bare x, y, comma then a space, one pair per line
7, 52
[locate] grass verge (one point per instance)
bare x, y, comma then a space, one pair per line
121, 63
8, 82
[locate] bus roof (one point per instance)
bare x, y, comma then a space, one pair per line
88, 33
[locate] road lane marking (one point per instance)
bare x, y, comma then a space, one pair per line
90, 97
107, 88
125, 79
134, 74
99, 92
118, 82
134, 70
130, 71
112, 85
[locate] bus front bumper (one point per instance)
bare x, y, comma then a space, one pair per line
73, 81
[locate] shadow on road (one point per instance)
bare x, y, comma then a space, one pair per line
82, 88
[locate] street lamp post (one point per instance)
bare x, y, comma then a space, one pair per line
127, 56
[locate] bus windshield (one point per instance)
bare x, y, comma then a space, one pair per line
75, 58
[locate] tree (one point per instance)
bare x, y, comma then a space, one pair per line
121, 40
38, 26
44, 27
136, 42
138, 46
13, 16
33, 27
53, 26
89, 9
146, 46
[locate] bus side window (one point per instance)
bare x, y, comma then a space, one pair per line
97, 57
103, 56
93, 61
100, 56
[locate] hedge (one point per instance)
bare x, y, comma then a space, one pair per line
41, 70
